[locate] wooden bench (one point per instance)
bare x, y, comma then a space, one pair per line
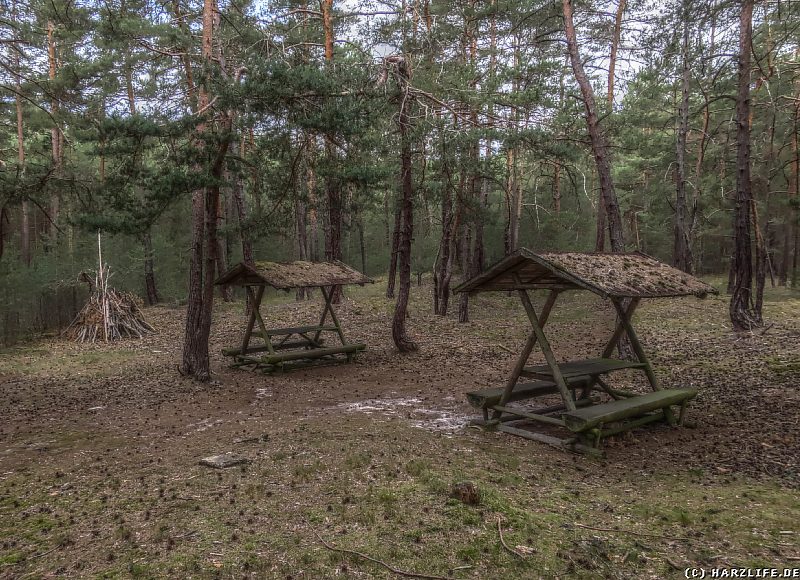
589, 417
234, 351
488, 398
274, 359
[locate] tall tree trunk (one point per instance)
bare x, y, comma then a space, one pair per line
681, 247
237, 191
25, 226
443, 268
790, 228
56, 140
513, 202
612, 61
557, 188
601, 228
399, 333
240, 209
390, 283
596, 135
311, 190
600, 240
741, 312
3, 222
151, 292
300, 236
333, 238
225, 292
362, 247
513, 186
205, 203
465, 257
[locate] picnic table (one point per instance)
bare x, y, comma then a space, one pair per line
298, 345
621, 278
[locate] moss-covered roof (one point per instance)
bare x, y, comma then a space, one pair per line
287, 275
626, 275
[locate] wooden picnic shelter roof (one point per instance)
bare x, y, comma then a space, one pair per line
288, 275
616, 275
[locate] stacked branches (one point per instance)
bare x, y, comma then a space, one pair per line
108, 314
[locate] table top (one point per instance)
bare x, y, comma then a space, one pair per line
591, 367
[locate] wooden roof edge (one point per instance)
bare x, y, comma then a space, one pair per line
500, 267
711, 289
559, 271
367, 279
473, 285
233, 274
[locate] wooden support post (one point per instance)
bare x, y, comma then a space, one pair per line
612, 343
640, 354
545, 346
256, 301
569, 444
252, 320
526, 350
608, 389
327, 297
329, 305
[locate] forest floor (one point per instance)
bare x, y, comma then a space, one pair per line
99, 450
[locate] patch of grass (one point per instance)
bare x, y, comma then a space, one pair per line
358, 460
786, 366
11, 558
58, 362
305, 472
418, 467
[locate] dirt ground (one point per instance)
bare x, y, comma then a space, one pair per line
99, 451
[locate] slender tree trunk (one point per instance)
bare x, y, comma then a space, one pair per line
25, 226
601, 229
557, 188
443, 269
311, 190
3, 222
399, 333
479, 193
362, 245
681, 247
225, 292
151, 292
741, 313
466, 258
513, 187
55, 131
390, 283
191, 92
598, 139
791, 228
333, 238
301, 238
612, 61
600, 240
237, 191
514, 209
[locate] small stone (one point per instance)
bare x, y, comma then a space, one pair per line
225, 460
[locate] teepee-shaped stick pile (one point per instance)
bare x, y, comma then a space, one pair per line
108, 314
